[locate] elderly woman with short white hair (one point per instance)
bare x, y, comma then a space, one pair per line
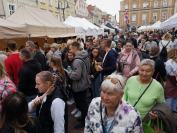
142, 91
109, 113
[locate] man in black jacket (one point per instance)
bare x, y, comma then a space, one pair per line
109, 60
27, 75
160, 71
37, 54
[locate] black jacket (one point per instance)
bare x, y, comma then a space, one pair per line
44, 111
40, 58
160, 71
27, 77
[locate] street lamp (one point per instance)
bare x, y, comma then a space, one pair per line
62, 5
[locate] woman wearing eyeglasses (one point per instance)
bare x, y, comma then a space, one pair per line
109, 113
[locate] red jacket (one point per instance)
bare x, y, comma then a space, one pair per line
13, 65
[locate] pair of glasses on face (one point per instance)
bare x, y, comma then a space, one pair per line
114, 81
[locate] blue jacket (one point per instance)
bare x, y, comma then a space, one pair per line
109, 64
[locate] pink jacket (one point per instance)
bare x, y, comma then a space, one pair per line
132, 62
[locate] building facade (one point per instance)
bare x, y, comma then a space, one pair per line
145, 12
176, 6
97, 16
56, 7
59, 8
81, 8
9, 6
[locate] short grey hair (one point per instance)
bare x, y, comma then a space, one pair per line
113, 82
148, 62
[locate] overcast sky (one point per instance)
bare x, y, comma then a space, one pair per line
110, 6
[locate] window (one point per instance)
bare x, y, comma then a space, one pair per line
144, 19
164, 15
133, 17
126, 6
154, 17
155, 4
11, 9
145, 4
165, 3
50, 2
134, 6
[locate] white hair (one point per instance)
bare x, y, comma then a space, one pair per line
148, 62
109, 83
69, 42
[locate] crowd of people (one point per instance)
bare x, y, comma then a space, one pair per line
114, 81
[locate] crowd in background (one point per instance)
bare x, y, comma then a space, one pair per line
114, 81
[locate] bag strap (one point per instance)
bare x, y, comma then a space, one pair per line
142, 94
83, 60
103, 128
166, 44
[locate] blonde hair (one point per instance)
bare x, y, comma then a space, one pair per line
172, 54
167, 36
113, 82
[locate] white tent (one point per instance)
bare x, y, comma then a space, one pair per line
71, 21
10, 30
40, 23
143, 28
156, 26
85, 27
95, 29
169, 23
107, 28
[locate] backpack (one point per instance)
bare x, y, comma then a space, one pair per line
163, 53
87, 66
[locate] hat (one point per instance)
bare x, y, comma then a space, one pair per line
54, 45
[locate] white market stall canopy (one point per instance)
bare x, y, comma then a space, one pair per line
107, 28
71, 21
39, 23
83, 26
170, 23
156, 26
11, 30
143, 28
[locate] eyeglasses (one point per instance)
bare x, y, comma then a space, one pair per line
114, 81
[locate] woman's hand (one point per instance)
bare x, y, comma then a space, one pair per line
99, 68
37, 100
153, 115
